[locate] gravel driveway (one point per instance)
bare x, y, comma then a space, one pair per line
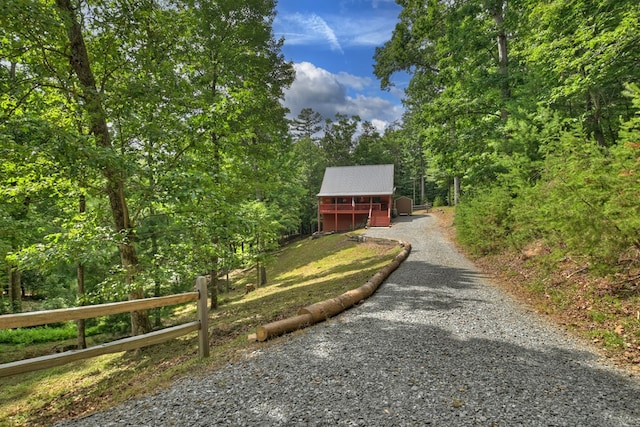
436, 345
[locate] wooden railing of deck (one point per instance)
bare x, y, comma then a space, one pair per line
358, 207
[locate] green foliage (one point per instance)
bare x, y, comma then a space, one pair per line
483, 222
338, 141
28, 336
5, 305
483, 110
582, 53
193, 132
587, 199
542, 131
584, 203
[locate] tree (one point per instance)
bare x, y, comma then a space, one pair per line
93, 106
582, 53
369, 148
238, 78
338, 141
460, 86
307, 125
167, 118
310, 164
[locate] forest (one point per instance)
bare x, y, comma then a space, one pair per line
531, 107
144, 143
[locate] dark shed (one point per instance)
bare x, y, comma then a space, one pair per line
404, 205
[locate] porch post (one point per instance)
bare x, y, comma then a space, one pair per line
353, 214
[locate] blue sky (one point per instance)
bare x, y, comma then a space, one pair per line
331, 43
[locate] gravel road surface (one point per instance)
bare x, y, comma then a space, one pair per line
436, 345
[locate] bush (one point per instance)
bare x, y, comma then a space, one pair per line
5, 305
42, 334
438, 201
482, 221
54, 303
587, 202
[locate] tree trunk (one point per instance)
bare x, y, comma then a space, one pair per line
498, 13
593, 118
422, 177
156, 282
15, 292
456, 190
140, 322
215, 169
79, 61
15, 276
214, 283
82, 340
262, 274
154, 252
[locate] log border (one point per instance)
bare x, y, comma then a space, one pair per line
323, 310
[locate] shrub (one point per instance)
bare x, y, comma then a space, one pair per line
482, 221
438, 201
587, 202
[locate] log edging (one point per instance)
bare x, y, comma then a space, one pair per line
323, 310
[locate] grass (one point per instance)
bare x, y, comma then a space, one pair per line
609, 340
22, 337
304, 272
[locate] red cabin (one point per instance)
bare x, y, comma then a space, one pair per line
355, 196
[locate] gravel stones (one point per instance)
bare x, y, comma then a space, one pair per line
436, 345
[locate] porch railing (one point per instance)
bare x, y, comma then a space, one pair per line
350, 207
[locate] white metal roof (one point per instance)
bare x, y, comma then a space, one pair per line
369, 180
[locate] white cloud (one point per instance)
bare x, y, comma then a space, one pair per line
364, 29
322, 28
336, 31
352, 81
380, 125
326, 93
308, 29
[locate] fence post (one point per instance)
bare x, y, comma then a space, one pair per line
203, 317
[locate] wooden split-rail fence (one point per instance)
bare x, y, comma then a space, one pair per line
35, 318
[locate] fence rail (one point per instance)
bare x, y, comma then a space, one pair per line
10, 321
